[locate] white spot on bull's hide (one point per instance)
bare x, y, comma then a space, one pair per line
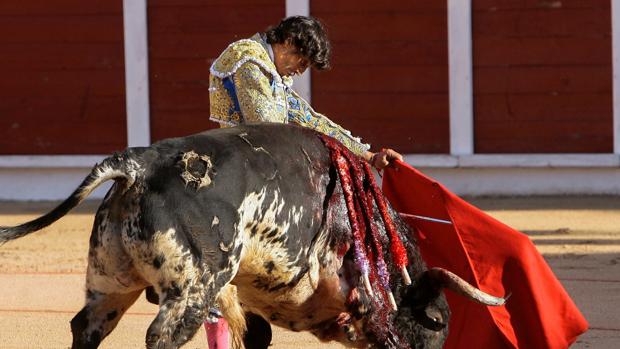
296, 214
175, 255
245, 139
223, 247
260, 219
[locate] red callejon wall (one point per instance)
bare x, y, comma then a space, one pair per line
62, 82
185, 37
542, 76
389, 80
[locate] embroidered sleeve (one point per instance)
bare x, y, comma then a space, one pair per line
256, 95
300, 112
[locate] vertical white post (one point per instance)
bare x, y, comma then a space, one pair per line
460, 70
302, 83
615, 63
136, 72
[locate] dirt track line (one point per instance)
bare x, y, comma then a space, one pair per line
604, 329
43, 273
588, 280
52, 311
83, 273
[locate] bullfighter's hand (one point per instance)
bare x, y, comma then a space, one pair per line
383, 158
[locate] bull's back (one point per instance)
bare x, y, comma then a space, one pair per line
262, 183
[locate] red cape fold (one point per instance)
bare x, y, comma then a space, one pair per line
493, 257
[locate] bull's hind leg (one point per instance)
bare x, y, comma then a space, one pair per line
112, 283
99, 317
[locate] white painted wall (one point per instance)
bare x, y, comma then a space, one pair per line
491, 181
43, 183
460, 77
301, 84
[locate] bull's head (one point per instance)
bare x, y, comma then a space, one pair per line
422, 314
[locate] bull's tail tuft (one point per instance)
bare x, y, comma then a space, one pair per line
121, 166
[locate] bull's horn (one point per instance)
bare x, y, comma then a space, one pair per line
453, 282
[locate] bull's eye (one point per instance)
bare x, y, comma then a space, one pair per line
430, 321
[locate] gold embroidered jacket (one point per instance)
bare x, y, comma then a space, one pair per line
245, 86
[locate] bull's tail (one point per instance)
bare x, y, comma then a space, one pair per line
120, 166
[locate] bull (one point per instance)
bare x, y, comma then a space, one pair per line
244, 222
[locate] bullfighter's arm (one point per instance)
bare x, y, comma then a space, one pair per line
300, 112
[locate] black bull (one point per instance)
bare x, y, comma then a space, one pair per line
237, 221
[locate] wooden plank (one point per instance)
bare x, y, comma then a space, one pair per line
191, 45
60, 137
179, 96
202, 3
62, 77
389, 82
50, 56
558, 108
185, 37
394, 53
384, 78
18, 84
167, 124
542, 129
552, 147
37, 110
591, 22
372, 26
180, 70
319, 7
556, 79
542, 76
62, 28
409, 123
551, 5
543, 136
60, 7
502, 51
224, 19
417, 108
403, 136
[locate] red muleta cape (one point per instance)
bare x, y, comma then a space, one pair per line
493, 257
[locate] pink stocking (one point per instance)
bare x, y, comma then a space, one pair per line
217, 334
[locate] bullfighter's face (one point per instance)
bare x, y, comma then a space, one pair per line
288, 60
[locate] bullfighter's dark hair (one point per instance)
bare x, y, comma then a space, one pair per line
307, 34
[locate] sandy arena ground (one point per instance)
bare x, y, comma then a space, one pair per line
42, 275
